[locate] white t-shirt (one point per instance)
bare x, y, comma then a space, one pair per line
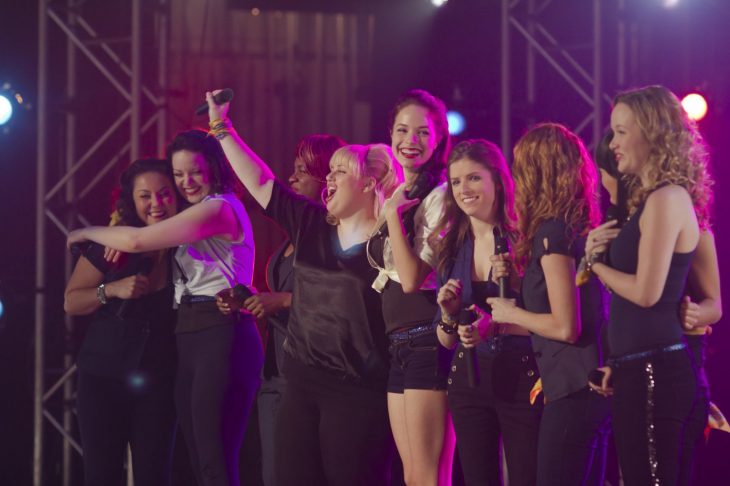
215, 263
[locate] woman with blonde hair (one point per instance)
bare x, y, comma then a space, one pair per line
332, 426
656, 397
556, 202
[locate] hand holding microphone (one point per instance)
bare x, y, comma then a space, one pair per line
134, 286
219, 97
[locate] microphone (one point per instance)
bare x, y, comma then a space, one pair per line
224, 96
466, 317
501, 245
144, 267
423, 184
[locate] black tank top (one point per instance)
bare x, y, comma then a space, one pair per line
633, 328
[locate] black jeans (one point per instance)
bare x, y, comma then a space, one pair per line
498, 407
113, 413
331, 432
655, 406
573, 437
218, 375
269, 400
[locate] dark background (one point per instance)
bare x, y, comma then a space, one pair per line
453, 52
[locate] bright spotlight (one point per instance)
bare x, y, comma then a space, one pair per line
670, 3
695, 106
6, 110
438, 3
457, 123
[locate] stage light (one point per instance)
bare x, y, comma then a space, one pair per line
670, 3
2, 309
6, 109
438, 3
457, 123
695, 106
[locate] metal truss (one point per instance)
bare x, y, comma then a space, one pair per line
86, 43
579, 63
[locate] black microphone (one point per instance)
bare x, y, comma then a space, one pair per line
466, 317
424, 183
144, 267
501, 245
224, 96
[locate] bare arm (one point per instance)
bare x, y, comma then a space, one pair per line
200, 221
412, 270
563, 322
704, 279
80, 297
661, 223
250, 169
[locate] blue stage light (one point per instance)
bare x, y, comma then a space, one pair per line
457, 123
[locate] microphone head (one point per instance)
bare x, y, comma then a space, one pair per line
501, 245
224, 96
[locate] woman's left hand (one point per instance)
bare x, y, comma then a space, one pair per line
472, 334
502, 309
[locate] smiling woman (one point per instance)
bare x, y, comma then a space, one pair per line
333, 423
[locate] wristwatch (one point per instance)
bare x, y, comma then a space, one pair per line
101, 294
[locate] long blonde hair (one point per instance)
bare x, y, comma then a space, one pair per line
677, 152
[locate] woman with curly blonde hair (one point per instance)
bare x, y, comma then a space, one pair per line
556, 202
657, 398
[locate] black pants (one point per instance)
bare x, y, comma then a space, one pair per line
269, 400
655, 405
331, 432
113, 413
499, 407
218, 375
573, 437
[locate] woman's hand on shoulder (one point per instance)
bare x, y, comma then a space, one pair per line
599, 238
398, 203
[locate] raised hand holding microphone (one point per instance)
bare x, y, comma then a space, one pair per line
220, 97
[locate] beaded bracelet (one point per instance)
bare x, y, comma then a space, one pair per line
448, 326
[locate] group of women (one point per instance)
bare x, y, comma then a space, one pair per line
395, 257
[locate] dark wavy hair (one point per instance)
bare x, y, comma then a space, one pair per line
454, 226
126, 213
606, 161
437, 109
555, 178
222, 177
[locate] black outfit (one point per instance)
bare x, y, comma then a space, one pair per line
332, 426
125, 385
499, 407
656, 392
574, 427
280, 278
417, 361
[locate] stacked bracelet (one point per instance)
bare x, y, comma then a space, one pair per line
220, 128
593, 259
447, 325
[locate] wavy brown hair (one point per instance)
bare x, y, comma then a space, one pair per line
454, 226
555, 178
677, 152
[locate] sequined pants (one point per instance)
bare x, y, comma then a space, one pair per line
655, 402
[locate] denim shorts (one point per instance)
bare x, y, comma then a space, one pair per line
417, 362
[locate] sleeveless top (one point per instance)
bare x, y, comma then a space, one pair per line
633, 328
206, 267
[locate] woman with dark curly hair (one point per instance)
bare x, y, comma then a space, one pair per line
656, 389
557, 204
127, 360
479, 199
220, 356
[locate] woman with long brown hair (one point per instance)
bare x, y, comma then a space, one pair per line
557, 205
656, 397
478, 200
